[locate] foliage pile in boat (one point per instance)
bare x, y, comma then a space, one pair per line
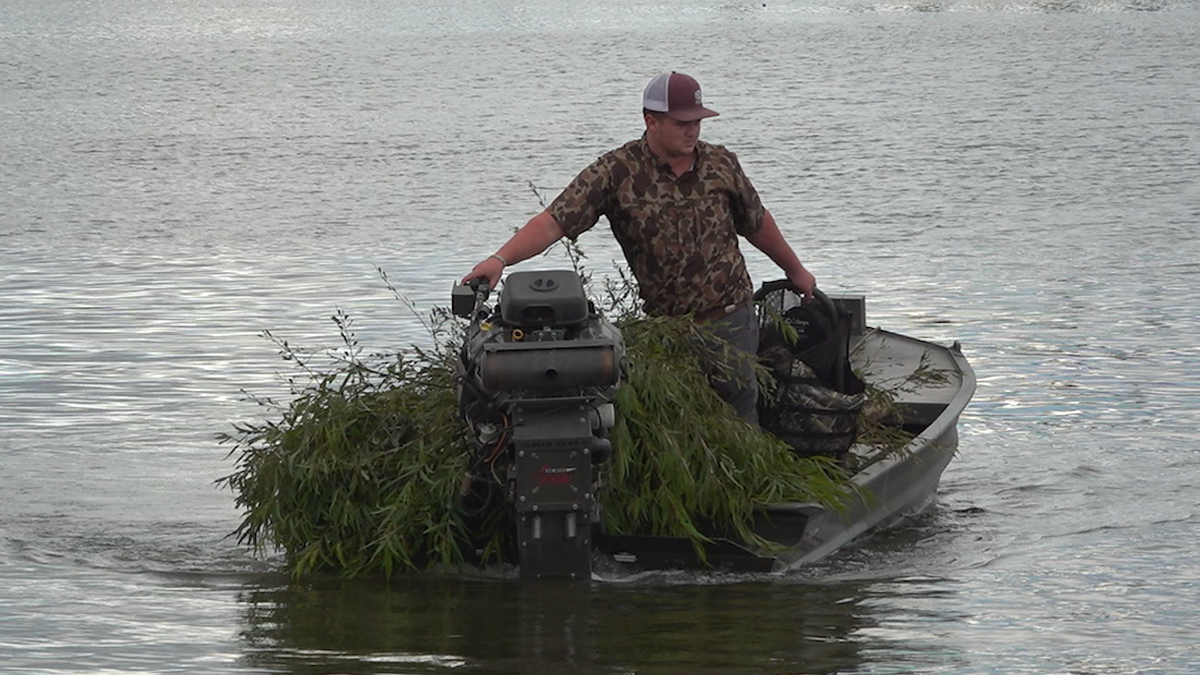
360, 471
682, 458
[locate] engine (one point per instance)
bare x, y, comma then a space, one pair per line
538, 374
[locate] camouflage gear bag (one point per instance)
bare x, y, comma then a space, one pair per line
815, 406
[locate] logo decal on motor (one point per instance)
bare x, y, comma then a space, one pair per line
554, 475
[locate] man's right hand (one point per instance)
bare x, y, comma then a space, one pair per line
536, 236
489, 268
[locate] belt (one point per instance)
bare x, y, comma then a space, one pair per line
719, 312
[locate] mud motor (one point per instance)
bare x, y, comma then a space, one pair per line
538, 374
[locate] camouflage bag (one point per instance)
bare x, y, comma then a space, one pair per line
815, 406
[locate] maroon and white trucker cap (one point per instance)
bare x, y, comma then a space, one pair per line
677, 95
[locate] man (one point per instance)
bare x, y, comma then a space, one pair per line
676, 206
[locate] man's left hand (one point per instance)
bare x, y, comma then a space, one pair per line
804, 281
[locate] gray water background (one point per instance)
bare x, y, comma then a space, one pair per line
176, 177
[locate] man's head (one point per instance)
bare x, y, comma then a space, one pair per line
677, 96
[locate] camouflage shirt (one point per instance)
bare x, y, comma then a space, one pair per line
679, 234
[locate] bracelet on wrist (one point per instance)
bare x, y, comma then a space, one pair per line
499, 257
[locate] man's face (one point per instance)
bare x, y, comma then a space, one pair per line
671, 137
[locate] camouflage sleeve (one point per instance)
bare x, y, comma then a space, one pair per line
747, 208
583, 201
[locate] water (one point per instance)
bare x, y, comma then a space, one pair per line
177, 178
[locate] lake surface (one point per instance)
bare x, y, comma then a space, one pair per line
177, 177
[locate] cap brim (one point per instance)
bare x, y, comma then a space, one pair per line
692, 114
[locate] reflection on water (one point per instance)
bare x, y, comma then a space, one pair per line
436, 624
